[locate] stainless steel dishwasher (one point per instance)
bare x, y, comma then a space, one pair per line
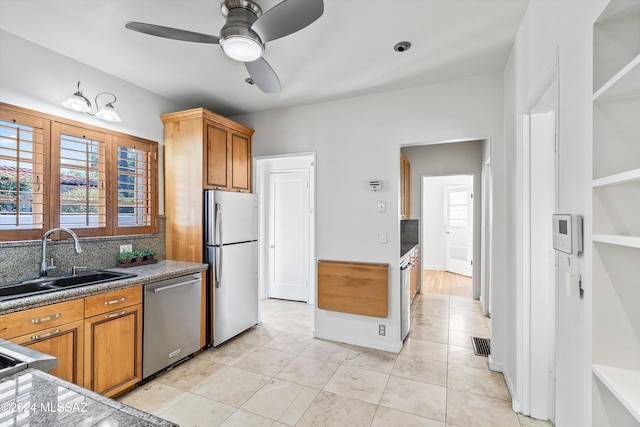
171, 328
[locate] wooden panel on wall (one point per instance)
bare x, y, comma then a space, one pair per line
353, 287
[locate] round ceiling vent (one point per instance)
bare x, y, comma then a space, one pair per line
402, 46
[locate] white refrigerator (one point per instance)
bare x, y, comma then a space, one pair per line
231, 236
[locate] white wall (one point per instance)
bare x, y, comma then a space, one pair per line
434, 236
40, 79
358, 139
562, 28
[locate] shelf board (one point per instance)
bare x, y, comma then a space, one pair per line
629, 241
619, 178
623, 383
626, 82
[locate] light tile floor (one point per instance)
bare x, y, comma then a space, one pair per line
277, 374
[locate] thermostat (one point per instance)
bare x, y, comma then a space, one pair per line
375, 185
567, 233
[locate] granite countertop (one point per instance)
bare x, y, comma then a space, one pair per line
35, 398
406, 249
145, 274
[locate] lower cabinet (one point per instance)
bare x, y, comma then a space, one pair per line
113, 341
97, 339
63, 342
55, 329
113, 350
414, 273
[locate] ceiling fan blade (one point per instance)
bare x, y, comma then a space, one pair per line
171, 33
286, 18
263, 75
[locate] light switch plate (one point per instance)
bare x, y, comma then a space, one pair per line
126, 248
382, 237
382, 206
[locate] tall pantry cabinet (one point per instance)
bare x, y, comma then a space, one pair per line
203, 150
615, 194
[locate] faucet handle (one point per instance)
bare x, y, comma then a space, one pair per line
77, 268
51, 265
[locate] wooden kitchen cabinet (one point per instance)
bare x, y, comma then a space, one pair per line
65, 342
202, 151
405, 187
414, 273
113, 341
228, 157
55, 329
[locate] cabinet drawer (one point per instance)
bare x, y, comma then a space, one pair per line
36, 319
110, 301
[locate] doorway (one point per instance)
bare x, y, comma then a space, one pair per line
540, 282
447, 225
286, 193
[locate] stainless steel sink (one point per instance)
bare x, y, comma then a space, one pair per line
51, 284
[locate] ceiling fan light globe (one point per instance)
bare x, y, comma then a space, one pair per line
77, 102
241, 48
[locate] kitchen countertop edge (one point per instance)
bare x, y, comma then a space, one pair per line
406, 250
121, 408
145, 274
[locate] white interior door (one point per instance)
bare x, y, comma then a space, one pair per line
459, 229
288, 259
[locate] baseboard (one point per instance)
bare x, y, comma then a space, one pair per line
435, 267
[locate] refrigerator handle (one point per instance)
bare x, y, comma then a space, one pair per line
217, 225
217, 270
217, 230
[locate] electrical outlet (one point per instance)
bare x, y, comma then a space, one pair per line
382, 329
126, 248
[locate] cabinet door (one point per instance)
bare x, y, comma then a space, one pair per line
217, 158
63, 342
240, 163
113, 350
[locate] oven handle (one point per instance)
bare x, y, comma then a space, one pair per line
164, 288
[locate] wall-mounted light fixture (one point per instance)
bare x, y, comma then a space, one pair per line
78, 102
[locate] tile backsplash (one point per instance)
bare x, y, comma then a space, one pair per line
21, 260
409, 231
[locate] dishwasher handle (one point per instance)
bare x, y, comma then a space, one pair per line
164, 288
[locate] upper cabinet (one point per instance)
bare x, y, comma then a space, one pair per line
616, 215
203, 151
228, 157
405, 187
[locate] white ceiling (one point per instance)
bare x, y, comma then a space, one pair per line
345, 53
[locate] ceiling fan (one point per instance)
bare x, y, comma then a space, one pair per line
246, 31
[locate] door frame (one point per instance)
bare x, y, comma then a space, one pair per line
263, 165
523, 401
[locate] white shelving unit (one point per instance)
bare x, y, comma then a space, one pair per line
616, 216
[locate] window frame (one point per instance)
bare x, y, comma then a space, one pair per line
52, 128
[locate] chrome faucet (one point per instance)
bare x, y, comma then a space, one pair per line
43, 263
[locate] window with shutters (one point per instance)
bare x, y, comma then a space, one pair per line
136, 185
23, 187
57, 173
81, 172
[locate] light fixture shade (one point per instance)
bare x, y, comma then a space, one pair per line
108, 113
242, 48
78, 102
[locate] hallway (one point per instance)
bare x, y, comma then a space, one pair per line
277, 374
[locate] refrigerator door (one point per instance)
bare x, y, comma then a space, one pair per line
235, 296
230, 217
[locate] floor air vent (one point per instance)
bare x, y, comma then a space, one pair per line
481, 346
